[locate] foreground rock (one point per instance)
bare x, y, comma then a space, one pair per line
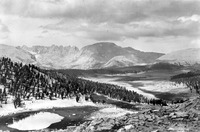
177, 118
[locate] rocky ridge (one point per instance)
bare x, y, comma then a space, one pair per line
184, 117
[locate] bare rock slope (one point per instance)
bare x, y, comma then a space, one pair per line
184, 117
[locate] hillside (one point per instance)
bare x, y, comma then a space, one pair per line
26, 81
184, 57
175, 118
119, 61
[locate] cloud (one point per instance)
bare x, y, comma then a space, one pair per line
195, 18
45, 31
3, 28
98, 11
188, 30
104, 35
115, 31
106, 20
196, 43
176, 8
4, 31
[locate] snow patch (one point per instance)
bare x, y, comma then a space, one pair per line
111, 112
32, 105
36, 122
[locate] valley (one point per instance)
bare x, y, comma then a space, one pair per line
99, 65
27, 88
114, 93
84, 97
151, 84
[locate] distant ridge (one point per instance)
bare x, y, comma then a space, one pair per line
95, 56
184, 57
17, 54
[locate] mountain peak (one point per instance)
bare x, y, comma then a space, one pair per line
105, 43
102, 44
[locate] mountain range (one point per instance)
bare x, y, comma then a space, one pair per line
95, 56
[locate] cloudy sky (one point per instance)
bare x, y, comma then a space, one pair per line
149, 25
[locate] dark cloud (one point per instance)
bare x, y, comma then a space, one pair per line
191, 29
114, 31
92, 10
177, 8
98, 11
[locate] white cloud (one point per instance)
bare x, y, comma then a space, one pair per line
196, 43
195, 18
3, 28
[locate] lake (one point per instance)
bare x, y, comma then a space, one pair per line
71, 116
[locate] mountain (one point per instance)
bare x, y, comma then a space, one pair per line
17, 54
53, 56
119, 61
95, 56
106, 54
185, 57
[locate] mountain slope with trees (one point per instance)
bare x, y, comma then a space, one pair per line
24, 81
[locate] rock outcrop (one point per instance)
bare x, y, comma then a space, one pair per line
184, 117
